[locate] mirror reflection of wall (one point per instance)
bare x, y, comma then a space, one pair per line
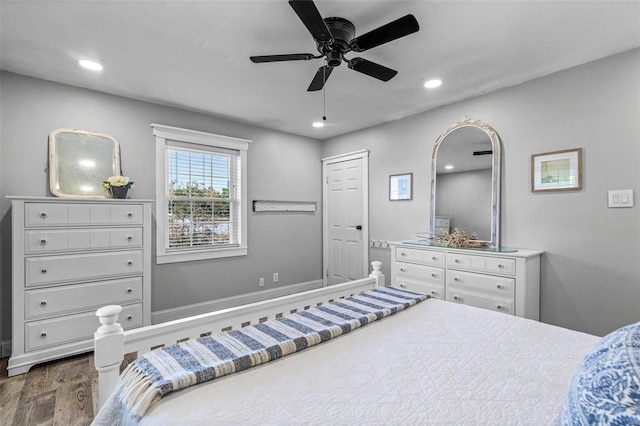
465, 198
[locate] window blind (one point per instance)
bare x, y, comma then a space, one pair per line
203, 197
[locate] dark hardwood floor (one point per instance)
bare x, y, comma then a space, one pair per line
62, 392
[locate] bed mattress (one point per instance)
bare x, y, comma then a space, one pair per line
436, 363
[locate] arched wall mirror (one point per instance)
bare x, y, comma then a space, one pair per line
79, 161
465, 182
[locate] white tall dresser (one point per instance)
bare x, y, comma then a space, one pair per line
504, 281
70, 257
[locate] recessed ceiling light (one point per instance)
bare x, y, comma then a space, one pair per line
318, 124
448, 167
432, 84
90, 65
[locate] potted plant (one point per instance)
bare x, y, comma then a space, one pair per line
117, 186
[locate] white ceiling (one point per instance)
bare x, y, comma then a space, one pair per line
195, 54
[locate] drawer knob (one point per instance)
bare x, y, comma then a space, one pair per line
457, 260
457, 279
43, 271
433, 292
43, 241
456, 297
43, 214
500, 286
403, 269
43, 303
499, 307
129, 290
129, 238
403, 285
129, 317
434, 275
130, 262
403, 254
130, 214
43, 334
500, 265
434, 258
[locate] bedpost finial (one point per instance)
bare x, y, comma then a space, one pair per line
108, 317
376, 265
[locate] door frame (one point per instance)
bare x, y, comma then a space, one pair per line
364, 155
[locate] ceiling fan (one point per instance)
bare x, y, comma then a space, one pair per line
335, 37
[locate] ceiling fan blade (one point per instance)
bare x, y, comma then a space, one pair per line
393, 30
311, 18
321, 77
372, 69
277, 58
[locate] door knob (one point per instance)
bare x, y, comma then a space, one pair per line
359, 227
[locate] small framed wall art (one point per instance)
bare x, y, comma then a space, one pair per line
557, 171
400, 187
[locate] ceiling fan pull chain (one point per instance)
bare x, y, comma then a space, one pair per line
324, 96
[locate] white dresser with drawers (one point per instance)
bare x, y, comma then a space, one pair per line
70, 257
504, 281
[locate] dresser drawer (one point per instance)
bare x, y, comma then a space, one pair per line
419, 273
56, 269
433, 290
41, 334
426, 257
48, 214
58, 240
486, 283
481, 263
54, 301
458, 295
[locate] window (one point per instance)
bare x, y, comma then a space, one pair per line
201, 202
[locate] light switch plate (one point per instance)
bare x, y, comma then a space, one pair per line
621, 198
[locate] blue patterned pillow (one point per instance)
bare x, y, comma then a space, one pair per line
605, 389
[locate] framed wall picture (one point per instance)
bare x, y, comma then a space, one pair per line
557, 171
400, 187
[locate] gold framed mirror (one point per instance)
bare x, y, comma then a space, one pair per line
465, 182
79, 161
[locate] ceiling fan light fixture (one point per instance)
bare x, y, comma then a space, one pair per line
432, 84
90, 65
335, 37
318, 124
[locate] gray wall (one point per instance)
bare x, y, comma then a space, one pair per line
590, 270
465, 198
591, 266
281, 166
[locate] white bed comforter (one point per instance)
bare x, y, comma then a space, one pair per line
434, 364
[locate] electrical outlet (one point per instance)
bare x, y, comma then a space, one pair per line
261, 282
275, 277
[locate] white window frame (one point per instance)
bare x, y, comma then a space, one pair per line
165, 134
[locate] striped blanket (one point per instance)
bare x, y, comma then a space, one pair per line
176, 367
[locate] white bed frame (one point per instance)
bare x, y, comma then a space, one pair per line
112, 342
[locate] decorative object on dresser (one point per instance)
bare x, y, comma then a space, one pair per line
506, 280
117, 186
557, 171
71, 256
79, 161
465, 180
458, 238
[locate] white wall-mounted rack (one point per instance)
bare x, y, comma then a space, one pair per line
284, 206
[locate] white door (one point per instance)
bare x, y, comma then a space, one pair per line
345, 221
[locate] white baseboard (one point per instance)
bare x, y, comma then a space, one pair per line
228, 302
5, 348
